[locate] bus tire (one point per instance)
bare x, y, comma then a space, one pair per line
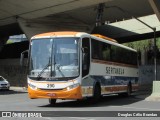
96, 93
52, 101
129, 89
128, 92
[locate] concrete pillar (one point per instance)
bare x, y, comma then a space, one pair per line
155, 96
41, 25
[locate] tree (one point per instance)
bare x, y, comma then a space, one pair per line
9, 42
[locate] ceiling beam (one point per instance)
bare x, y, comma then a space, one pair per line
155, 4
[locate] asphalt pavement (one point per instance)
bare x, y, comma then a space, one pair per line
115, 107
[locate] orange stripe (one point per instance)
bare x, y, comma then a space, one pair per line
115, 89
135, 87
51, 34
105, 37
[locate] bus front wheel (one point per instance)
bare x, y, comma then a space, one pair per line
52, 101
96, 93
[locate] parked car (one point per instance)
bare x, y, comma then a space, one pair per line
4, 84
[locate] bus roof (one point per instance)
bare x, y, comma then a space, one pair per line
76, 34
54, 34
104, 37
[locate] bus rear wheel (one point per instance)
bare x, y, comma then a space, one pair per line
52, 101
128, 92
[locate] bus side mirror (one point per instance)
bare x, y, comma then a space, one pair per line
22, 58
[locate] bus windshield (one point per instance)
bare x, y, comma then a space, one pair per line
54, 58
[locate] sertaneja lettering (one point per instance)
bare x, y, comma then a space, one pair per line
112, 70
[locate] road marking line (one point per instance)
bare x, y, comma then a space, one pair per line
137, 108
48, 118
81, 118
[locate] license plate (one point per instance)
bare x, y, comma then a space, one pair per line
51, 94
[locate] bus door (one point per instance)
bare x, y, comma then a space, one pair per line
85, 65
85, 56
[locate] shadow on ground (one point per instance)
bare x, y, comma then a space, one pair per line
104, 101
7, 92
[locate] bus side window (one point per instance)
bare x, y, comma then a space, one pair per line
85, 56
106, 50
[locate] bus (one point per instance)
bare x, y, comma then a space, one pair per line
77, 65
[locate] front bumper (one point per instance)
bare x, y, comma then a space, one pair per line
74, 93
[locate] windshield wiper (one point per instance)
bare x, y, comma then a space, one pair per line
48, 64
58, 67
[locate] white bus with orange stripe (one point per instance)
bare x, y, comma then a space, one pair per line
75, 65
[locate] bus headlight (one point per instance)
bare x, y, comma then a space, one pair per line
32, 86
73, 86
